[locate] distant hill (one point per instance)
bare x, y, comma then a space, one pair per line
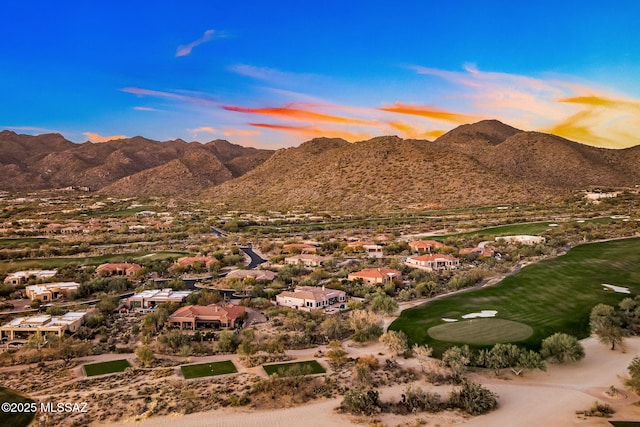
483, 163
126, 166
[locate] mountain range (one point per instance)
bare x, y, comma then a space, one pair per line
483, 163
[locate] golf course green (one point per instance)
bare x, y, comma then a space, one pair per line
554, 295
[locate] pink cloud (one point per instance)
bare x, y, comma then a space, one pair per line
184, 50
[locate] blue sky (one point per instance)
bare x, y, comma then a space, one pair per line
275, 74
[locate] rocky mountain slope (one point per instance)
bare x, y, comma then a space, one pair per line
484, 163
126, 166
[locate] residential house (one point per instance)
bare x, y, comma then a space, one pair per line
372, 250
312, 297
118, 269
433, 262
194, 316
522, 238
24, 327
259, 275
21, 277
424, 246
50, 291
308, 260
371, 276
149, 299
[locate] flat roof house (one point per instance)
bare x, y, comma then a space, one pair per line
118, 269
194, 316
21, 277
50, 291
311, 297
372, 250
433, 262
372, 276
147, 300
23, 327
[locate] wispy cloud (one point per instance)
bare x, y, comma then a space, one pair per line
29, 129
411, 131
581, 112
184, 96
276, 77
291, 112
429, 112
601, 121
185, 49
94, 137
138, 108
315, 131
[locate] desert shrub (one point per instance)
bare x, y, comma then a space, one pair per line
361, 402
417, 400
473, 399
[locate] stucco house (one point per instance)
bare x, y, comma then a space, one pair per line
308, 260
433, 262
213, 315
118, 269
312, 297
424, 246
373, 276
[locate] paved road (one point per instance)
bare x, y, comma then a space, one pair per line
218, 232
256, 259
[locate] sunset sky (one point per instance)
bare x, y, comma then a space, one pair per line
275, 74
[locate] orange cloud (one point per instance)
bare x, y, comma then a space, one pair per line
299, 114
94, 137
314, 131
602, 121
410, 131
429, 112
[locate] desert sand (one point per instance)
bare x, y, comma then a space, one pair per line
538, 398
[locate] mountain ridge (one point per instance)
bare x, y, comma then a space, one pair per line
488, 162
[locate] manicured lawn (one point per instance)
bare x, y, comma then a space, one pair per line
511, 229
309, 367
95, 260
106, 367
14, 419
208, 369
551, 296
481, 331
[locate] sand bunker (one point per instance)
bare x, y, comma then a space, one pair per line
618, 289
483, 313
446, 319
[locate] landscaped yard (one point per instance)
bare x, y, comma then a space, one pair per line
284, 369
550, 296
18, 418
208, 369
106, 367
